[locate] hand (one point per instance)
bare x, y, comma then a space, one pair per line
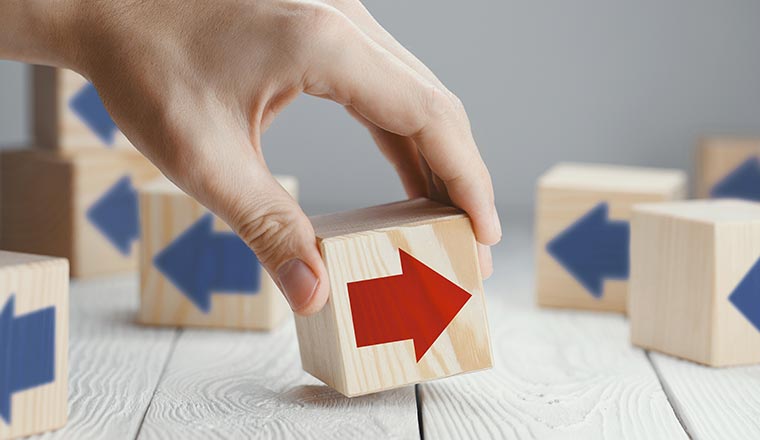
194, 84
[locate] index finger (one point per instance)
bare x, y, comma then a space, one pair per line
393, 96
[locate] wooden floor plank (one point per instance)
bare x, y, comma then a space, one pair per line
713, 403
114, 365
557, 374
225, 384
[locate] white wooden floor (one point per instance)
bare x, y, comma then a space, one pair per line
557, 374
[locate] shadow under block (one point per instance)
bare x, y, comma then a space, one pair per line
695, 280
34, 325
194, 271
82, 207
729, 167
582, 231
406, 300
69, 115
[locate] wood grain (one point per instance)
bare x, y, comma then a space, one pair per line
165, 213
686, 259
56, 126
222, 385
46, 197
36, 283
114, 363
566, 193
712, 403
718, 157
361, 247
557, 374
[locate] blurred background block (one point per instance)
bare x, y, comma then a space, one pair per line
68, 113
82, 206
729, 168
582, 230
195, 272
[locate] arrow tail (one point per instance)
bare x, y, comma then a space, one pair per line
33, 352
27, 352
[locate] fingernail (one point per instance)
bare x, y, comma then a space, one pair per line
497, 222
297, 282
486, 261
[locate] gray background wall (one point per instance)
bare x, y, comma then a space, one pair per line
590, 80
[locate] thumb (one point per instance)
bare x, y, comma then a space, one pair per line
273, 225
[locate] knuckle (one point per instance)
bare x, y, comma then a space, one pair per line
306, 20
266, 229
439, 105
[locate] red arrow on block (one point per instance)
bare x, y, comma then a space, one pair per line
418, 304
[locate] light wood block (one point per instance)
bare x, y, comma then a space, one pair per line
720, 159
687, 260
34, 325
49, 200
406, 299
581, 230
186, 280
68, 114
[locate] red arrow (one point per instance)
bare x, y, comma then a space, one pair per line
418, 304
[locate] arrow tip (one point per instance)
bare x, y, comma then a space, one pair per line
186, 263
436, 303
743, 182
115, 215
89, 107
746, 295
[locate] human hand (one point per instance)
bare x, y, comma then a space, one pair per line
194, 84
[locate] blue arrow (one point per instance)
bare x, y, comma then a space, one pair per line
746, 296
115, 215
88, 106
27, 352
742, 183
201, 261
593, 248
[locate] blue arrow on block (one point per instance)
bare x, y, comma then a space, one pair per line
746, 296
27, 352
201, 261
87, 105
742, 183
116, 216
593, 249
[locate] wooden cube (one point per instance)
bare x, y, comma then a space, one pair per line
34, 326
695, 280
81, 206
194, 271
69, 115
729, 168
406, 299
582, 231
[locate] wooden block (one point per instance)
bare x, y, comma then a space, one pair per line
695, 280
194, 271
729, 168
582, 232
406, 299
34, 343
81, 206
69, 115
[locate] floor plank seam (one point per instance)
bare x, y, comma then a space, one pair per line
169, 356
668, 394
418, 402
